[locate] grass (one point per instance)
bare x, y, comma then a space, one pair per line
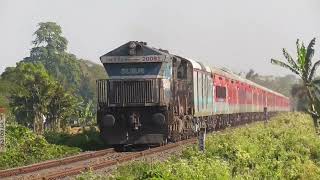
23, 147
286, 148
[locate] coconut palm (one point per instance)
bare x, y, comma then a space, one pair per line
306, 70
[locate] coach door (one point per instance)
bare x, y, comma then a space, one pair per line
182, 88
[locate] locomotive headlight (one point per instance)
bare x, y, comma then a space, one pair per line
159, 119
108, 120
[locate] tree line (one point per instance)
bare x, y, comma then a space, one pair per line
50, 89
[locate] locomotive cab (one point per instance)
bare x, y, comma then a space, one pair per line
133, 101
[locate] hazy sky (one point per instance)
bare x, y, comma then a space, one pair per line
235, 34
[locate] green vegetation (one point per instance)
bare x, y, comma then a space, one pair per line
50, 84
49, 49
4, 92
35, 95
285, 148
24, 147
89, 139
48, 92
306, 70
90, 73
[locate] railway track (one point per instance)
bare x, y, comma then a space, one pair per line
52, 163
70, 166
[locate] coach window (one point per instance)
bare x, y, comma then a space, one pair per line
221, 92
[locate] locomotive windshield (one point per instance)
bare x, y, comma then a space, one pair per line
133, 69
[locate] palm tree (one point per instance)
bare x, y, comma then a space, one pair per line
304, 68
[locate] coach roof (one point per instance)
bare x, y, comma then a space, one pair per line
194, 64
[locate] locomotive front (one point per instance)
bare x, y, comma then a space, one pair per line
133, 101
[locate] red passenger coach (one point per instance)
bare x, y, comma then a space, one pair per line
244, 96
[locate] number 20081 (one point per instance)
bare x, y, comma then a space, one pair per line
151, 58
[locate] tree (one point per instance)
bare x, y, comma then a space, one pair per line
37, 98
4, 91
61, 109
32, 94
77, 80
305, 69
50, 50
49, 34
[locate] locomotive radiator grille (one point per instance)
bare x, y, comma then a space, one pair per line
102, 91
128, 92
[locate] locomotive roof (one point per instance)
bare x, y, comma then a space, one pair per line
123, 50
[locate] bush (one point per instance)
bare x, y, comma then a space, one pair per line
87, 140
23, 147
285, 148
282, 149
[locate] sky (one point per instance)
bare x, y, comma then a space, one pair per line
235, 34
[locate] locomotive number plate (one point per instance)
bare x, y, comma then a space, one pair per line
133, 59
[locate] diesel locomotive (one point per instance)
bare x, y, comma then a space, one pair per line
151, 96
